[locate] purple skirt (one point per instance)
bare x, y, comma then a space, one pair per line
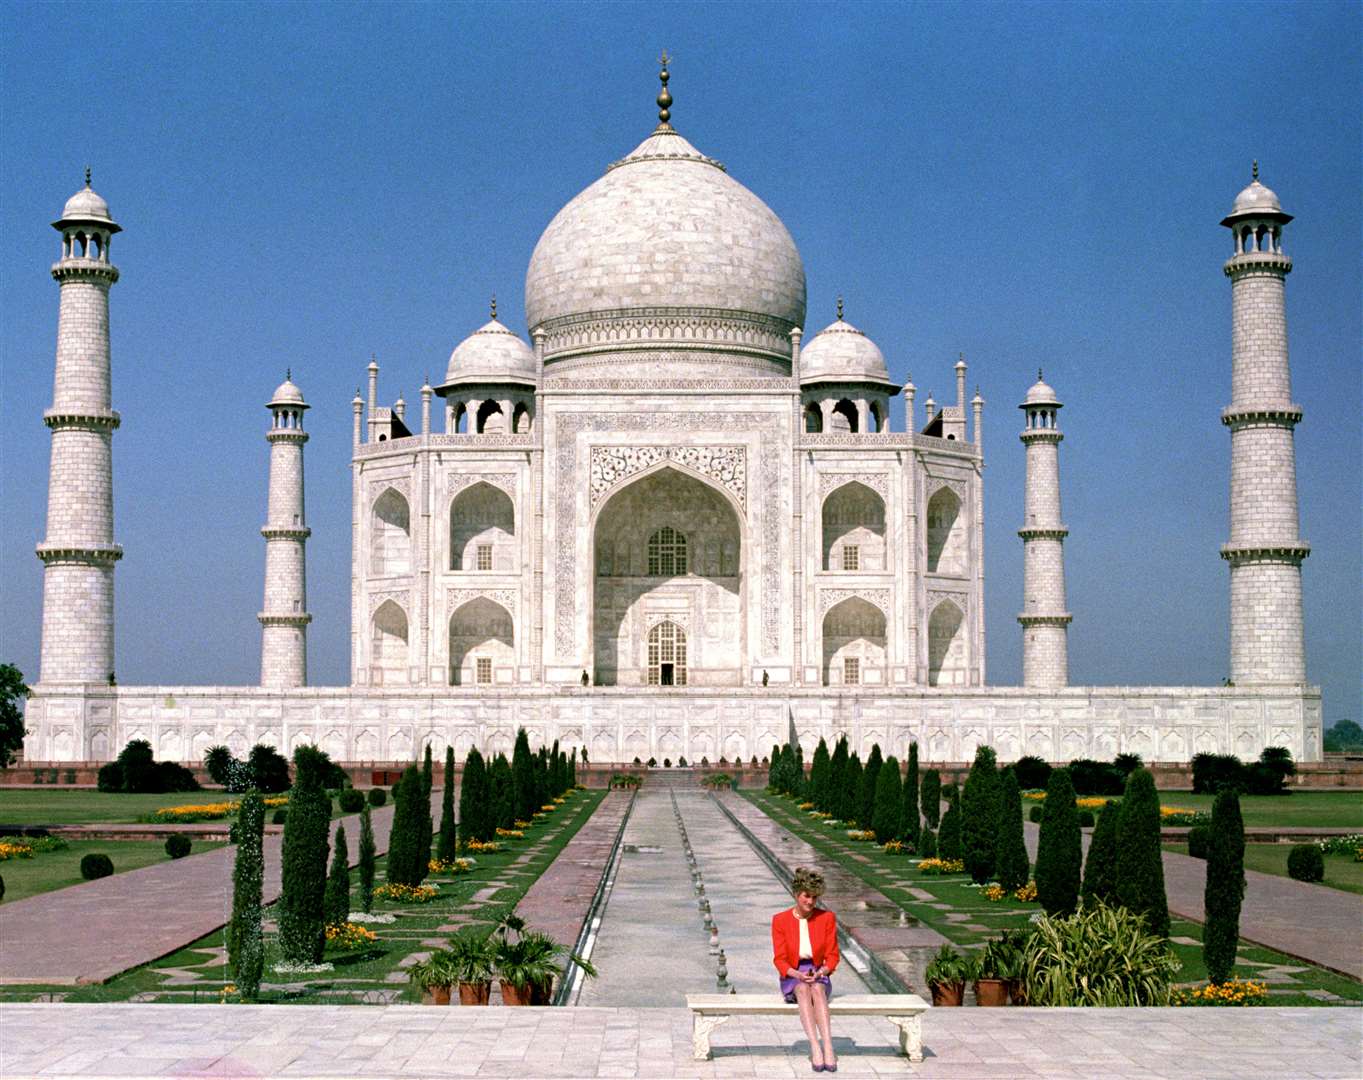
788, 983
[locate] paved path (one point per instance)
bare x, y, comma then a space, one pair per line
412, 1041
90, 932
1309, 922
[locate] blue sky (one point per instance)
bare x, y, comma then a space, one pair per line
1034, 185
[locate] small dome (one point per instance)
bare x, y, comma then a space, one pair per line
1256, 201
1040, 393
842, 353
287, 393
87, 205
492, 353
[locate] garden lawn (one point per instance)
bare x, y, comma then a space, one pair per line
83, 806
49, 870
1341, 871
1300, 809
372, 974
883, 872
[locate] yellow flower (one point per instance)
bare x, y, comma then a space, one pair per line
1027, 893
510, 832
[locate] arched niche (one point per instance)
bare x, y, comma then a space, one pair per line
491, 421
482, 642
668, 545
483, 530
388, 645
844, 417
853, 642
390, 546
946, 534
947, 646
813, 418
521, 419
854, 529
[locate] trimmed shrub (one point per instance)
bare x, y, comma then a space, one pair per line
909, 812
980, 820
1304, 863
475, 811
109, 779
887, 817
135, 772
1212, 772
1032, 772
1140, 868
1090, 777
866, 799
927, 844
336, 896
407, 863
1200, 839
427, 824
837, 778
98, 865
502, 786
1034, 814
931, 798
1086, 819
178, 846
1225, 887
368, 856
847, 801
523, 777
269, 769
245, 937
818, 775
280, 816
949, 839
2, 888
302, 931
218, 761
1010, 860
1100, 869
1268, 776
1059, 855
377, 797
351, 801
449, 839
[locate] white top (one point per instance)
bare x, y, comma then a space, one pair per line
806, 949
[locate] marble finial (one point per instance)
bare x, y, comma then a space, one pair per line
1254, 174
664, 98
839, 309
494, 307
87, 176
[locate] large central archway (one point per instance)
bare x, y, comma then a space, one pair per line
668, 548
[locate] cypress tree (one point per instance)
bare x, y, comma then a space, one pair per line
818, 774
1100, 867
541, 760
797, 770
1140, 867
336, 898
245, 942
851, 790
980, 816
931, 799
369, 853
302, 934
1225, 887
909, 811
888, 817
1059, 852
405, 863
523, 778
427, 823
475, 803
949, 837
1011, 863
449, 839
837, 778
503, 787
866, 798
555, 789
572, 769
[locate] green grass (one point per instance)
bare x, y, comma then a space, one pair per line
51, 870
883, 872
1341, 871
359, 976
81, 806
1300, 809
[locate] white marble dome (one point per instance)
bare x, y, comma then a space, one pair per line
1256, 200
840, 352
666, 227
287, 393
87, 205
1040, 393
492, 353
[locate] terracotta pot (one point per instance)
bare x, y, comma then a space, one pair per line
474, 993
1017, 994
991, 992
516, 995
542, 993
435, 995
947, 993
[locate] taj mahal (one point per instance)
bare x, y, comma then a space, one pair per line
671, 519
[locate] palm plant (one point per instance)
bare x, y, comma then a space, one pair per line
1100, 956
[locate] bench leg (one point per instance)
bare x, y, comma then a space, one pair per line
701, 1026
910, 1036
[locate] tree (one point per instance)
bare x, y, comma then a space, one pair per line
336, 898
866, 797
980, 816
818, 774
427, 825
475, 809
1225, 887
406, 866
887, 818
774, 769
1059, 851
851, 790
1100, 868
12, 691
1140, 867
503, 788
949, 838
245, 939
1343, 735
218, 761
449, 840
523, 777
269, 770
368, 857
837, 778
302, 933
1010, 860
931, 798
908, 813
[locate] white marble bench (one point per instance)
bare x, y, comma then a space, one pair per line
708, 1011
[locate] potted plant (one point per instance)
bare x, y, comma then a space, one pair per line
1010, 951
946, 976
526, 966
991, 984
435, 977
472, 959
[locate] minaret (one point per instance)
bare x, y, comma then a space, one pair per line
284, 618
79, 552
1045, 622
1265, 551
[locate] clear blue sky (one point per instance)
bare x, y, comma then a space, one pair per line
1034, 185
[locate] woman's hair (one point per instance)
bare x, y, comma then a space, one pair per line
807, 881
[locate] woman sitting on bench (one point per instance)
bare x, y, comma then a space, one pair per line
804, 942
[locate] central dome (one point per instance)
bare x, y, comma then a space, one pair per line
666, 249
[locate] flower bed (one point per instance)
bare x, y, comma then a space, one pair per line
29, 846
938, 867
511, 832
349, 935
995, 892
450, 866
1235, 992
1343, 845
895, 847
407, 894
205, 811
861, 834
481, 845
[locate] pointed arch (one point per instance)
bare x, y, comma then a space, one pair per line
483, 530
854, 529
388, 656
813, 418
844, 418
482, 643
390, 535
854, 643
947, 658
946, 539
490, 419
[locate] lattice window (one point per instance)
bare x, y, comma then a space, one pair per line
666, 553
851, 670
667, 655
483, 670
851, 557
484, 557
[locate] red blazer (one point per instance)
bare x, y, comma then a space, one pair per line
785, 940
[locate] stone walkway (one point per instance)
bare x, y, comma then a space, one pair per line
410, 1041
90, 932
1309, 922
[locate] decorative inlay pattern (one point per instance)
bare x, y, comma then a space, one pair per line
457, 598
401, 597
726, 465
877, 482
457, 482
878, 597
937, 483
650, 327
585, 383
401, 484
960, 599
